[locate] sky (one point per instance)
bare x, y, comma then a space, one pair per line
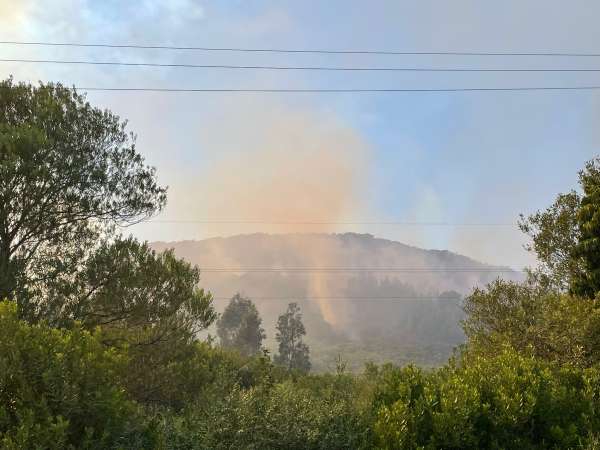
458, 158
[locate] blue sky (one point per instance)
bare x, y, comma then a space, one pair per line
451, 157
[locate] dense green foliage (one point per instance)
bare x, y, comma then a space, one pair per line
239, 327
60, 389
586, 283
65, 388
100, 347
550, 325
508, 400
554, 235
150, 304
285, 415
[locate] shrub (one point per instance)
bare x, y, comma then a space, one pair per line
284, 415
505, 401
58, 390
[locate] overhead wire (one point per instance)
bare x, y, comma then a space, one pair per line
307, 68
301, 298
325, 68
333, 90
317, 222
290, 50
336, 270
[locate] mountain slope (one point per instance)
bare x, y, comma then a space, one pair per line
363, 297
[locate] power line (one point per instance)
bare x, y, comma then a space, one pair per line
305, 91
357, 270
301, 298
308, 68
288, 50
275, 222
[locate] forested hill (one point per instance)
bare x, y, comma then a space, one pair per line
389, 300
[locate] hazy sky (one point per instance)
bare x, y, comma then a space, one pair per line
449, 157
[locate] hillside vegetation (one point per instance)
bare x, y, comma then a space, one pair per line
385, 313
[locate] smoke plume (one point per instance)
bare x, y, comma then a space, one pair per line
271, 163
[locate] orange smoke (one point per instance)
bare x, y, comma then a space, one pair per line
279, 165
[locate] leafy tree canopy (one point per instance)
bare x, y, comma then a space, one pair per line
554, 235
71, 175
70, 172
566, 238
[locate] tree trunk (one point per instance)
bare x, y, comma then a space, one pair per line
7, 273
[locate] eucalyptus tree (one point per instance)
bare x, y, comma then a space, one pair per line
293, 352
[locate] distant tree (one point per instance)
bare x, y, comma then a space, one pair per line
239, 327
69, 174
293, 352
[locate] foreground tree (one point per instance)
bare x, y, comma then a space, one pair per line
240, 328
586, 283
127, 285
70, 173
147, 302
566, 238
293, 352
553, 315
70, 176
554, 234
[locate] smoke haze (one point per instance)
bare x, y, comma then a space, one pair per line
269, 162
276, 164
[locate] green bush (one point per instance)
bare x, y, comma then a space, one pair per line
552, 326
284, 415
59, 389
503, 401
